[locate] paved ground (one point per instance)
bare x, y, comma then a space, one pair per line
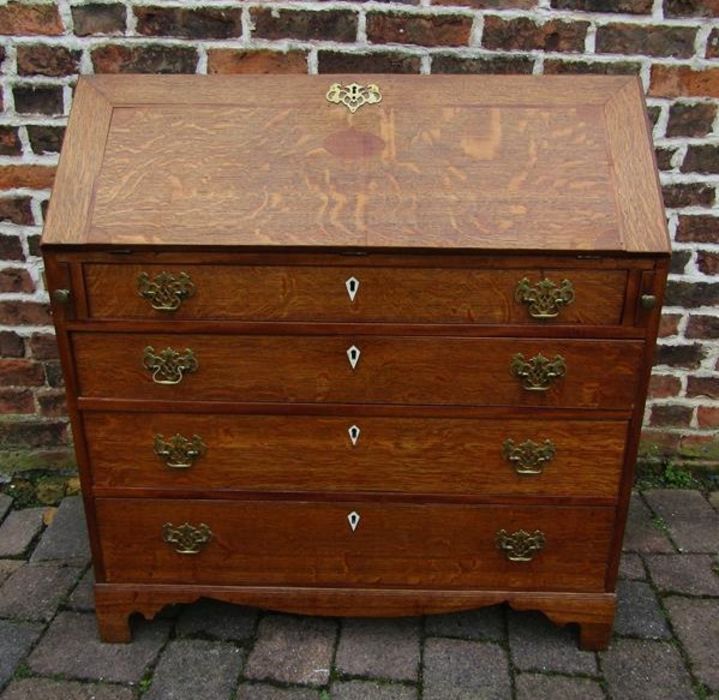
665, 645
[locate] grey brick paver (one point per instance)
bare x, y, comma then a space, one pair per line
260, 691
539, 645
697, 625
83, 597
379, 648
16, 638
638, 612
631, 567
34, 592
66, 537
692, 522
692, 574
485, 623
370, 690
218, 620
71, 647
642, 535
644, 670
537, 686
5, 504
18, 530
293, 650
7, 566
46, 689
455, 669
194, 668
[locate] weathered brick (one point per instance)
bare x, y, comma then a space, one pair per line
16, 639
692, 120
25, 313
641, 534
708, 417
52, 403
684, 194
116, 58
45, 139
47, 689
669, 325
255, 61
330, 25
11, 345
713, 44
10, 141
683, 81
33, 241
375, 62
98, 18
633, 7
34, 592
704, 327
653, 112
693, 524
66, 539
450, 63
16, 401
47, 59
687, 356
36, 177
523, 34
15, 279
43, 346
690, 574
33, 434
691, 8
698, 229
22, 19
703, 387
16, 210
664, 157
36, 99
691, 294
638, 612
663, 386
531, 686
53, 374
422, 30
701, 159
708, 262
679, 261
18, 530
199, 23
21, 372
649, 40
557, 66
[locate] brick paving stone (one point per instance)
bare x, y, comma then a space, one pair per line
18, 530
641, 670
692, 574
217, 619
369, 690
260, 691
714, 499
485, 623
457, 669
638, 612
34, 591
293, 650
531, 686
66, 537
642, 535
696, 623
71, 647
46, 689
194, 668
7, 566
83, 597
631, 567
539, 645
693, 524
379, 648
5, 503
16, 638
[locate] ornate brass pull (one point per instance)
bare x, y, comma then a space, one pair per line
544, 298
186, 538
520, 545
528, 457
169, 365
538, 373
179, 452
353, 96
166, 292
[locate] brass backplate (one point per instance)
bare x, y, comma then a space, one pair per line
520, 545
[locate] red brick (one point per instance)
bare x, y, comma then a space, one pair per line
687, 356
557, 66
692, 294
664, 157
16, 210
708, 263
671, 415
24, 313
490, 4
704, 327
45, 139
679, 261
691, 8
43, 346
713, 44
633, 7
21, 372
15, 279
52, 403
11, 345
33, 433
669, 325
678, 81
10, 248
98, 18
668, 442
195, 23
255, 61
422, 30
53, 374
664, 386
687, 195
37, 177
44, 59
115, 58
693, 120
14, 401
701, 159
646, 40
330, 25
10, 141
703, 387
451, 63
375, 62
698, 229
21, 19
522, 34
708, 416
39, 99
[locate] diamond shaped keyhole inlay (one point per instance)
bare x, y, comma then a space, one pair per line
352, 285
353, 355
353, 519
354, 433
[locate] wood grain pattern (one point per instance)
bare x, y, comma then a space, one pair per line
305, 543
384, 294
462, 457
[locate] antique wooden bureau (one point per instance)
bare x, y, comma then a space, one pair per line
357, 345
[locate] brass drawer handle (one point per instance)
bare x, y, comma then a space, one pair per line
169, 365
354, 95
520, 545
528, 457
166, 292
186, 538
179, 452
539, 372
545, 298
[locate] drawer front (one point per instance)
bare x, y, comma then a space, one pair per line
355, 294
453, 456
306, 543
387, 370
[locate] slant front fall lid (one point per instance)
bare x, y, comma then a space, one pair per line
555, 163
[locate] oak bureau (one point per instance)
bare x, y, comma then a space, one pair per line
357, 345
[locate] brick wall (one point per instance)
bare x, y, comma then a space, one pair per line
672, 44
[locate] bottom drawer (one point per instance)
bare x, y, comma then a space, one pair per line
391, 544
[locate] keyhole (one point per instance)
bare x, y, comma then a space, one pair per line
353, 519
352, 285
353, 355
354, 432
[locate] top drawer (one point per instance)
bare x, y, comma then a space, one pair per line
356, 294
